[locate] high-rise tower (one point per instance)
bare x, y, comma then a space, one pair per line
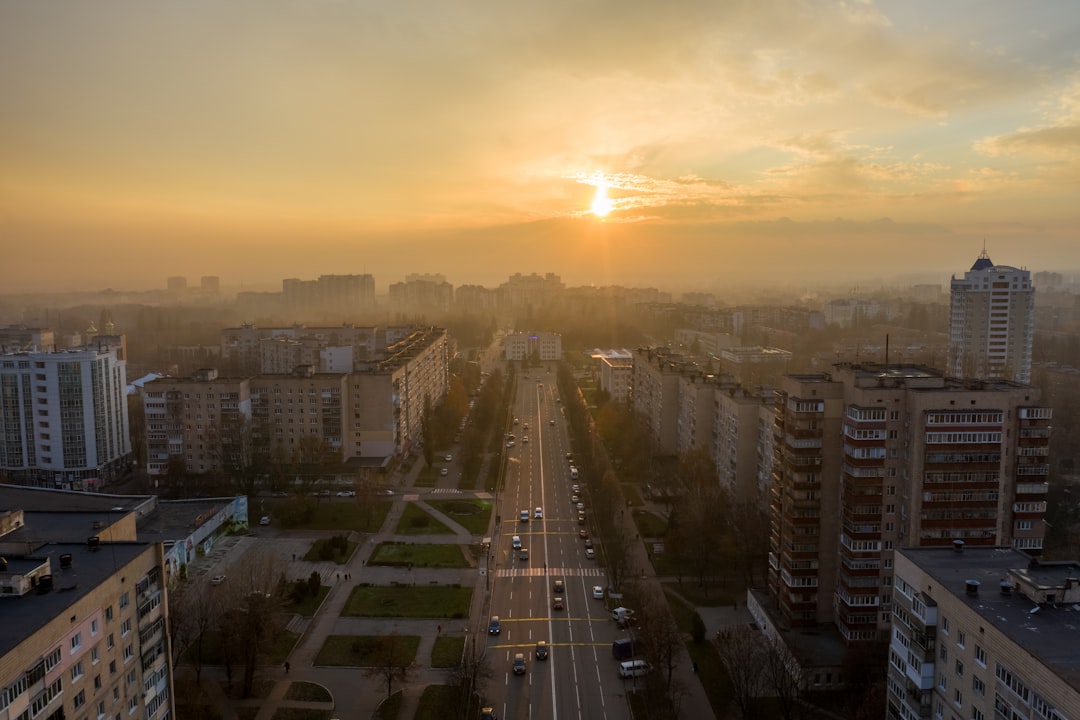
991, 322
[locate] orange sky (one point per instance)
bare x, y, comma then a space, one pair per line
258, 140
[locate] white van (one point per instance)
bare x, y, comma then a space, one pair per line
515, 542
633, 668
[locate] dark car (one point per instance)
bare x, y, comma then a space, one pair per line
557, 603
519, 664
494, 627
541, 650
488, 713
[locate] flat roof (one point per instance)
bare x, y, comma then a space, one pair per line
21, 497
23, 616
1048, 634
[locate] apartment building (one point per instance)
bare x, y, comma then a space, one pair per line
874, 457
657, 375
526, 345
242, 348
981, 633
85, 624
991, 322
64, 418
742, 423
616, 373
289, 408
422, 293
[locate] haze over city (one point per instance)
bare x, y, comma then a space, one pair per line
629, 142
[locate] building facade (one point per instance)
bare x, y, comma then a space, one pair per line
983, 633
991, 322
64, 417
544, 346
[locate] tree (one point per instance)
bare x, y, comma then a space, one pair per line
391, 660
741, 651
193, 613
251, 619
783, 676
236, 448
660, 634
749, 532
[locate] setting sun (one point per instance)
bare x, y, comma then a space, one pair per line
601, 204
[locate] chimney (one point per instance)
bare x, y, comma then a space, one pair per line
958, 546
971, 587
65, 560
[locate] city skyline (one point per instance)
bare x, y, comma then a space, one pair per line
609, 143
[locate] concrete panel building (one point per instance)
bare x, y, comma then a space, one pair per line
545, 346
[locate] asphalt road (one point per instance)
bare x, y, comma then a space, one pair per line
580, 677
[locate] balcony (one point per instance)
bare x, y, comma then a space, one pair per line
1032, 488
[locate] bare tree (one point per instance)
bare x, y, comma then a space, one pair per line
251, 618
393, 660
193, 614
784, 677
660, 634
742, 651
750, 534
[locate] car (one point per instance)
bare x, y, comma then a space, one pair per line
386, 492
523, 516
346, 493
538, 513
541, 650
279, 493
323, 493
581, 517
558, 587
444, 472
598, 592
525, 426
551, 422
575, 488
515, 542
494, 626
510, 443
515, 421
580, 506
569, 456
525, 439
523, 554
449, 458
588, 543
519, 663
633, 669
574, 499
217, 579
264, 520
488, 713
557, 603
573, 473
583, 534
590, 554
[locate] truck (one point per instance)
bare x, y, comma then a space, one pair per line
625, 648
623, 617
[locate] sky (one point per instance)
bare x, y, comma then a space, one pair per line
695, 143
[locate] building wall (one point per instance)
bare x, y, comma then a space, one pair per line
522, 346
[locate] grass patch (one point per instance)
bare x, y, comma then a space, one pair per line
713, 674
434, 601
447, 651
390, 708
473, 515
416, 521
360, 650
650, 525
308, 692
317, 553
632, 495
398, 554
300, 714
341, 516
439, 701
275, 654
310, 604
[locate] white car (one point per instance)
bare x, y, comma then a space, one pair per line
576, 488
580, 506
538, 514
346, 493
217, 579
449, 458
510, 444
264, 520
515, 542
444, 472
598, 592
590, 554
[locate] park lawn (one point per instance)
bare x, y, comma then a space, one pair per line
416, 521
439, 701
398, 554
650, 525
310, 604
360, 650
275, 655
390, 708
308, 692
431, 601
447, 652
343, 516
473, 515
315, 553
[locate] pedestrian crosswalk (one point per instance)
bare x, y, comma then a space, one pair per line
445, 491
555, 572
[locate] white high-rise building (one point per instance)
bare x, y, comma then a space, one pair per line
64, 417
991, 323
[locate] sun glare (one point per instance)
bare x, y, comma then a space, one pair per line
601, 204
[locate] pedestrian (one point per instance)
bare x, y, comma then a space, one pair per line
438, 630
287, 666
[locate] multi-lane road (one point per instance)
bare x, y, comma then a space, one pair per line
579, 679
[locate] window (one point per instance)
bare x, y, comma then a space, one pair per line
978, 686
76, 671
97, 682
945, 625
52, 659
110, 642
108, 614
94, 627
943, 654
129, 652
960, 637
133, 704
79, 700
112, 667
980, 655
959, 668
76, 642
958, 698
125, 600
125, 627
94, 655
942, 681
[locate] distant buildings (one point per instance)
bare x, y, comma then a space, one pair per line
63, 417
422, 293
981, 633
991, 322
543, 346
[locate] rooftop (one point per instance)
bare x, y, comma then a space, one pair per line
1047, 631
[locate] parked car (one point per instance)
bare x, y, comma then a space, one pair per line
264, 520
217, 579
346, 493
633, 669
